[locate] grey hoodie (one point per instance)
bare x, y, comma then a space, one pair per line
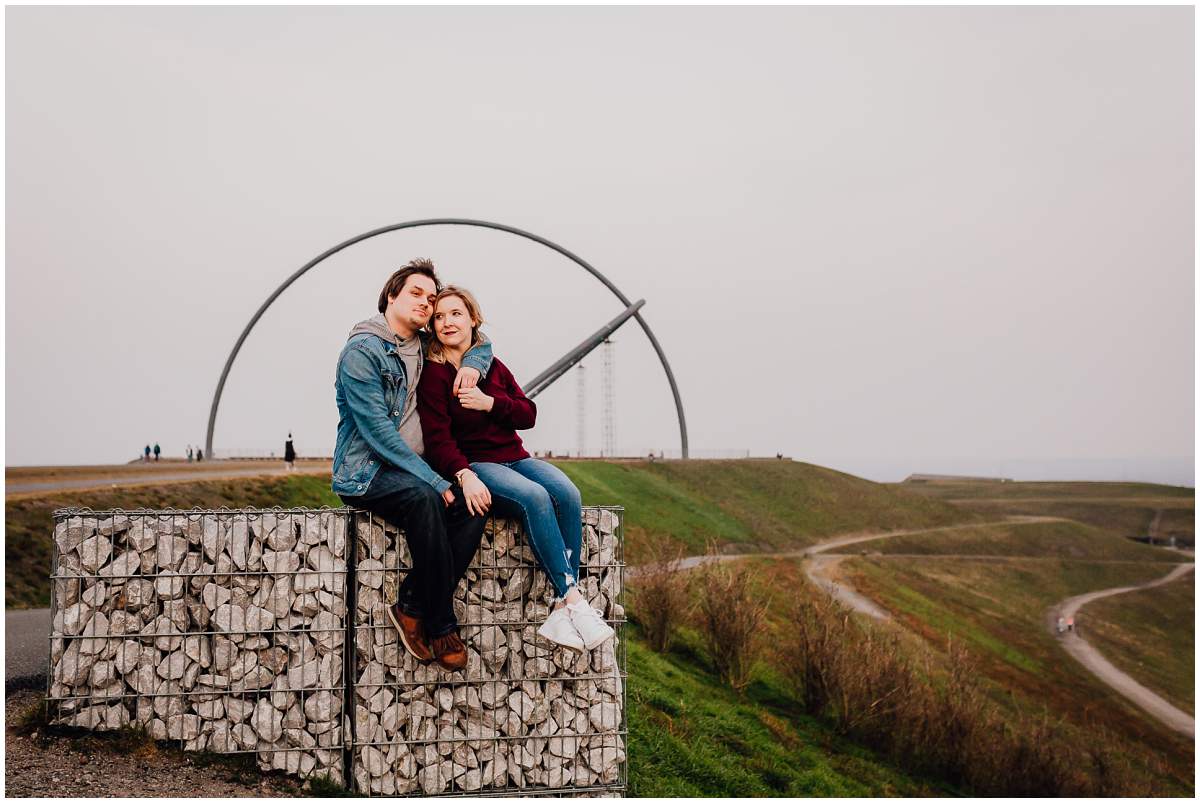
412, 354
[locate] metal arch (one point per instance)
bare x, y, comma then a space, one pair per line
412, 224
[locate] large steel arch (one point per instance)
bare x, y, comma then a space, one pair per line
412, 224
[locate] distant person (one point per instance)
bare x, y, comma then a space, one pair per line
189, 453
289, 453
156, 451
199, 454
471, 435
146, 454
377, 462
1060, 625
1071, 624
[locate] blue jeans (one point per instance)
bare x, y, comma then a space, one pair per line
548, 504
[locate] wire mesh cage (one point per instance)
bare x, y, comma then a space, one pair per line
525, 716
221, 630
226, 630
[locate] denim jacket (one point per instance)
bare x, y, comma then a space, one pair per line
371, 386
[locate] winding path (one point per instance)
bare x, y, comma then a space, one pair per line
1102, 668
820, 569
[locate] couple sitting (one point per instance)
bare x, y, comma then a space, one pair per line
427, 442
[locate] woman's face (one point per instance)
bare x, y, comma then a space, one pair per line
451, 322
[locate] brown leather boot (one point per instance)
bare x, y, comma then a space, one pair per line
412, 634
450, 651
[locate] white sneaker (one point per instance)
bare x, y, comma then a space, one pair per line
558, 628
594, 630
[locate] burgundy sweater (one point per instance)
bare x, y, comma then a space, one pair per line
455, 436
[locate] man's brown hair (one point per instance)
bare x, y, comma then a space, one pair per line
396, 283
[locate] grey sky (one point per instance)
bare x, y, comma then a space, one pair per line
879, 239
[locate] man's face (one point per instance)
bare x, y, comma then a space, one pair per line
414, 302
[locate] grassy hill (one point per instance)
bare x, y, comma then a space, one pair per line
1122, 508
750, 505
1046, 539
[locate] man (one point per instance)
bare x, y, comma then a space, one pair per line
377, 461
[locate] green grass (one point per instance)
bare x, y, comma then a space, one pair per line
1049, 539
29, 522
1151, 636
751, 504
690, 736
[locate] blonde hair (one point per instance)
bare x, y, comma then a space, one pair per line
436, 353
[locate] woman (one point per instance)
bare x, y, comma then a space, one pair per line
472, 438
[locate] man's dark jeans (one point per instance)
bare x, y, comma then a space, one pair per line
442, 540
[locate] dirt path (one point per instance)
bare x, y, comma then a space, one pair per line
1100, 666
20, 488
822, 569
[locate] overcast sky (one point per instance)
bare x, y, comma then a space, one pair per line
879, 239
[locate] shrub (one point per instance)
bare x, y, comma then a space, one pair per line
731, 616
661, 594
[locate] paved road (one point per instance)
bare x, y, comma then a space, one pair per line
1100, 666
26, 646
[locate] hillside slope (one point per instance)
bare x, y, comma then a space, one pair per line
751, 505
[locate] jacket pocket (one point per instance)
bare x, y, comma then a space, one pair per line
392, 385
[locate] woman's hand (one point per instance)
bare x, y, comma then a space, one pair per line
478, 497
475, 399
465, 378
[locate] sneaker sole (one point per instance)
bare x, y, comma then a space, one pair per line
403, 640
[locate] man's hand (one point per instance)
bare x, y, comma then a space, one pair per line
448, 497
478, 497
465, 378
475, 399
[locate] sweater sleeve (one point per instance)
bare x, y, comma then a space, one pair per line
433, 407
510, 408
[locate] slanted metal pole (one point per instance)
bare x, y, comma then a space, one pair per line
546, 378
